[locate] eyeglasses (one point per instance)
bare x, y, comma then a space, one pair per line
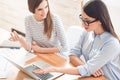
85, 21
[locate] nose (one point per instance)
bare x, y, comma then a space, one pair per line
83, 25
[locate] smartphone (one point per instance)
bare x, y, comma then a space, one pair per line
19, 32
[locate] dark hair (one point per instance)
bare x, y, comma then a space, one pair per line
48, 23
98, 10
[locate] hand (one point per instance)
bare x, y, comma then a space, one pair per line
15, 36
35, 47
44, 71
98, 73
40, 71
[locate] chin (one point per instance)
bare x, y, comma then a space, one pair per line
87, 30
43, 17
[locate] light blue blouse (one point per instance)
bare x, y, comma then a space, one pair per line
100, 52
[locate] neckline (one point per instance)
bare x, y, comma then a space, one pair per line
36, 20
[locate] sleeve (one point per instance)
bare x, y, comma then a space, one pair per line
28, 34
27, 30
109, 51
77, 49
61, 35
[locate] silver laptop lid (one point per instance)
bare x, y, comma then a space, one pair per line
22, 69
39, 65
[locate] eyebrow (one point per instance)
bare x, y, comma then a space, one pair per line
86, 19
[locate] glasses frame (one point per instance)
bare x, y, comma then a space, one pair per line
87, 23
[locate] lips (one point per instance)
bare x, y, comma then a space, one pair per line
85, 27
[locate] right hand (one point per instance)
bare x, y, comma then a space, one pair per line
14, 36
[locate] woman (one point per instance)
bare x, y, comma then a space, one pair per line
44, 31
99, 45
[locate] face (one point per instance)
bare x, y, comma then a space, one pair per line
41, 11
89, 23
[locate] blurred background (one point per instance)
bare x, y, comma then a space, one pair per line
13, 12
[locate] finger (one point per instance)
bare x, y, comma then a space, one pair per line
94, 75
12, 36
38, 71
34, 43
97, 73
101, 72
45, 71
11, 39
16, 35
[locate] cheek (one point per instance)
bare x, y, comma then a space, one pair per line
38, 12
93, 28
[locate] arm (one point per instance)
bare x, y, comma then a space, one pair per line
91, 66
37, 48
75, 61
16, 37
60, 33
72, 70
76, 52
110, 49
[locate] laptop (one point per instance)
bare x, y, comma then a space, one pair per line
36, 65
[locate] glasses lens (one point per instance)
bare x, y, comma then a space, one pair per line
85, 22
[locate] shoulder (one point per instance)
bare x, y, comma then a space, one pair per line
28, 18
55, 17
57, 22
111, 40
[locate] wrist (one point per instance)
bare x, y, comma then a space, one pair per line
55, 69
29, 49
41, 50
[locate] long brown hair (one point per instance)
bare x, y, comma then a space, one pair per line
48, 23
98, 10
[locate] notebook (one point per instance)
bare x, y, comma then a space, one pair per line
36, 65
10, 44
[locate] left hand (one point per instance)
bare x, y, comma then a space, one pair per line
35, 47
44, 71
40, 71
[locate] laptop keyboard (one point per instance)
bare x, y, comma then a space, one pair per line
41, 76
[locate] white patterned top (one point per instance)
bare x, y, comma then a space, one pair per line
35, 32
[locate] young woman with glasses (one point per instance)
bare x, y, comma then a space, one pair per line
44, 31
99, 45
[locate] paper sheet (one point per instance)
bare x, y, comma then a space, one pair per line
4, 68
69, 77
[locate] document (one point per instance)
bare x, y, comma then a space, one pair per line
4, 68
18, 55
10, 44
69, 77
